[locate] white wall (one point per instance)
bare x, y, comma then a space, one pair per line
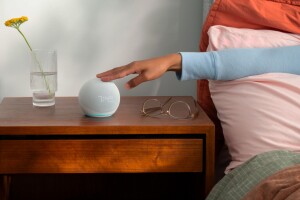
92, 36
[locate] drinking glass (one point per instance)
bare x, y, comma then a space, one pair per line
43, 77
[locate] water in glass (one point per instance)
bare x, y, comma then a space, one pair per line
43, 86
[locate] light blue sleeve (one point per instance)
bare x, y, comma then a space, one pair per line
232, 64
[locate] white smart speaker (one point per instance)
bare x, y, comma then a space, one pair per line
99, 99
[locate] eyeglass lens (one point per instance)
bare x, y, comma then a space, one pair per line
152, 107
180, 109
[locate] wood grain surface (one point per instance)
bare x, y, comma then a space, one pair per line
62, 140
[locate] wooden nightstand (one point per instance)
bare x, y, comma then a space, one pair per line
61, 140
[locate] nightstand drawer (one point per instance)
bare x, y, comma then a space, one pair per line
101, 156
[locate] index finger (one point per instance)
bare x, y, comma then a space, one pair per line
116, 73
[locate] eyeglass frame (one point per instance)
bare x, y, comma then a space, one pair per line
191, 115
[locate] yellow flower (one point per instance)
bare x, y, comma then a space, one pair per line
24, 18
16, 22
7, 23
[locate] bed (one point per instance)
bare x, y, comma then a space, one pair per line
257, 118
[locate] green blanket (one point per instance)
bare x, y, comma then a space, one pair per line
241, 180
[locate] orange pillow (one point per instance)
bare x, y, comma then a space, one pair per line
281, 15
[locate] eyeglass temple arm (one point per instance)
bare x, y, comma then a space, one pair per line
197, 110
167, 101
151, 110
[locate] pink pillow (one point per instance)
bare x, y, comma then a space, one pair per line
222, 37
257, 113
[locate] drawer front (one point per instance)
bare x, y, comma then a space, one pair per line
101, 156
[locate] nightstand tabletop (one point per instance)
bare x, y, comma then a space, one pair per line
19, 116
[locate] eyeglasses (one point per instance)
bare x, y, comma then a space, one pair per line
176, 109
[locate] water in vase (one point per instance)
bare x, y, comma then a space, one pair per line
43, 86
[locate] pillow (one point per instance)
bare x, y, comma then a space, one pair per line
257, 113
280, 15
222, 37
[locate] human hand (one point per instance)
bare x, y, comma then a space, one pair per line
147, 70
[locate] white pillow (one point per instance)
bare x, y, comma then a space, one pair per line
257, 113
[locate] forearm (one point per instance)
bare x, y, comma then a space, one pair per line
237, 63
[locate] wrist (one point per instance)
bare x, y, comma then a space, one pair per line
175, 62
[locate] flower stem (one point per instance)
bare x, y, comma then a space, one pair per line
24, 39
40, 67
43, 73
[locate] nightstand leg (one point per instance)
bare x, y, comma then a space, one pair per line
5, 181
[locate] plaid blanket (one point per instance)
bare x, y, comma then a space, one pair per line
238, 183
283, 185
